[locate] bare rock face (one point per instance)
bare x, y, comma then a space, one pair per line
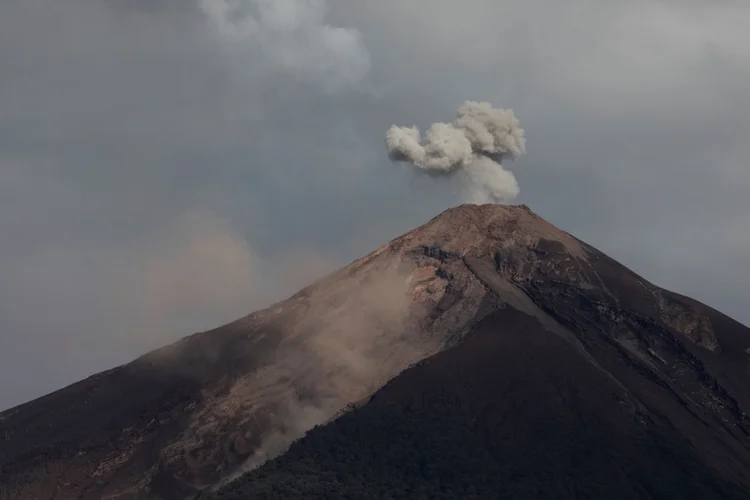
183, 419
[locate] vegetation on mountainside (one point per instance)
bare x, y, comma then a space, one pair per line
512, 412
438, 450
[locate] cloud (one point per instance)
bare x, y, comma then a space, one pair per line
203, 272
294, 35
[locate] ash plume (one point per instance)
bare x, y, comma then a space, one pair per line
334, 357
473, 146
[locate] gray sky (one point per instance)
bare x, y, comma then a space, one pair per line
167, 166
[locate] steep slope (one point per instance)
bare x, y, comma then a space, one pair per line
187, 417
184, 417
512, 412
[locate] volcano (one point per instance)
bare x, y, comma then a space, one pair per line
485, 354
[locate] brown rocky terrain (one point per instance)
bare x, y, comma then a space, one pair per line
183, 419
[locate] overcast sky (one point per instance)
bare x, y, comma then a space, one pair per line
167, 166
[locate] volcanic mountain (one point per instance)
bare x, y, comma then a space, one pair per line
486, 354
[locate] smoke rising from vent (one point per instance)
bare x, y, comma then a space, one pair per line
473, 145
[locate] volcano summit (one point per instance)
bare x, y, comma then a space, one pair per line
486, 354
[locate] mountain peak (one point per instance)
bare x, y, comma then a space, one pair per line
482, 230
196, 414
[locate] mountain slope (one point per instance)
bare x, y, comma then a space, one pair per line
192, 415
512, 412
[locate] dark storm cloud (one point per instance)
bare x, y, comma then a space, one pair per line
167, 166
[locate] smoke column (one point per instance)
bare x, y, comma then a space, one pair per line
473, 147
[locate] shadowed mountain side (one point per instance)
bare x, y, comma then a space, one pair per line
198, 413
514, 411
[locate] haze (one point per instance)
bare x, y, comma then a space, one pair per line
165, 169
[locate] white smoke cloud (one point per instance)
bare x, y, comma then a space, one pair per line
474, 144
489, 181
294, 35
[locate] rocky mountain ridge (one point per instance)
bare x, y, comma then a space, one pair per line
186, 418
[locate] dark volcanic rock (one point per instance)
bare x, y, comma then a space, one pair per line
187, 417
514, 411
